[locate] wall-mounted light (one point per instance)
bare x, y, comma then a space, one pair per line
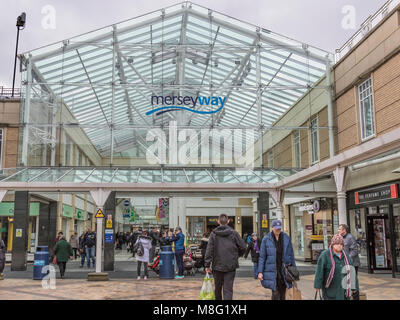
238, 220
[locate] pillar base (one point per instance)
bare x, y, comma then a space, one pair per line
98, 276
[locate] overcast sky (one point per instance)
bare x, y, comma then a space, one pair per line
316, 22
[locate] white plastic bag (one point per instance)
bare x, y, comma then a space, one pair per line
207, 290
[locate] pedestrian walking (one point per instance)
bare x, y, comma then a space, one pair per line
3, 250
155, 238
224, 248
276, 253
335, 274
178, 239
254, 249
59, 236
90, 247
351, 248
63, 251
74, 242
144, 259
82, 250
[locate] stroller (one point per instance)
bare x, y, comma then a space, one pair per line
188, 263
198, 261
155, 266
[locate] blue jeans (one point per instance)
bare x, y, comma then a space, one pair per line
255, 269
90, 253
83, 255
179, 261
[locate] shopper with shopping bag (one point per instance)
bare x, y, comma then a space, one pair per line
207, 290
224, 248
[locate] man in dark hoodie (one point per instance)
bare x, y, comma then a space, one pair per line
224, 248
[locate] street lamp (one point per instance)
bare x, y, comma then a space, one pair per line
20, 26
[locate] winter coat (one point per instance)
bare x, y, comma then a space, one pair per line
224, 248
250, 248
90, 239
63, 250
179, 241
82, 242
154, 238
146, 242
203, 246
267, 260
351, 247
74, 241
335, 290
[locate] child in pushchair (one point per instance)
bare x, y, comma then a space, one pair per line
188, 263
155, 266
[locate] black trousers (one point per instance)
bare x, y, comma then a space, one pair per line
62, 266
75, 252
224, 281
280, 292
139, 268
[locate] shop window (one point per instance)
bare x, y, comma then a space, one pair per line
296, 149
396, 215
314, 141
366, 109
358, 230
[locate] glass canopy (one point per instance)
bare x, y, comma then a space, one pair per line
112, 85
139, 175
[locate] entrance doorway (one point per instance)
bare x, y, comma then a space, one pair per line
380, 241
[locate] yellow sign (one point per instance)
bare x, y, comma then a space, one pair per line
316, 237
264, 223
109, 224
99, 214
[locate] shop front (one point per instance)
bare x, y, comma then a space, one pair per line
373, 217
197, 226
80, 217
7, 224
312, 225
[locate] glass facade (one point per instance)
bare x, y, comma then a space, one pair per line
103, 95
366, 109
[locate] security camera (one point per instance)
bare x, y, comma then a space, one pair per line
21, 20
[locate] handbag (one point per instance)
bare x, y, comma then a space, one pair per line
293, 293
292, 274
318, 293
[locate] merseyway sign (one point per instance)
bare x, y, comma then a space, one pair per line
99, 214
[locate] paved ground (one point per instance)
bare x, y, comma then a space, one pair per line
124, 286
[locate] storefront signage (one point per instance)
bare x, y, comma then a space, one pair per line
311, 208
7, 209
308, 207
317, 246
317, 237
79, 214
377, 194
67, 211
212, 221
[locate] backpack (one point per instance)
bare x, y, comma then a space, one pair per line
138, 248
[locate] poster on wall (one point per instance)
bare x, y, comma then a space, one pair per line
163, 204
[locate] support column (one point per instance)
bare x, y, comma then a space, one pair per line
47, 225
340, 180
277, 197
20, 232
177, 213
238, 222
330, 109
99, 196
109, 209
262, 209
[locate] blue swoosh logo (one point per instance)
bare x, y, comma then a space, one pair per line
183, 108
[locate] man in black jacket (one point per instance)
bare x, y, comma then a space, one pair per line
224, 249
90, 247
254, 248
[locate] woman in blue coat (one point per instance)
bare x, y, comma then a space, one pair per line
276, 252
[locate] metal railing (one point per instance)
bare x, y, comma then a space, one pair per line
7, 92
366, 27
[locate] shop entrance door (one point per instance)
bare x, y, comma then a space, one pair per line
379, 246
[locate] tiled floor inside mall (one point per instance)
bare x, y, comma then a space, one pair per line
124, 286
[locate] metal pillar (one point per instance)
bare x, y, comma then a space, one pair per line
262, 209
27, 107
113, 93
109, 209
330, 109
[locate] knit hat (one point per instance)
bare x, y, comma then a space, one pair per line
337, 239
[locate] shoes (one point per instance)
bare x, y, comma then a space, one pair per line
145, 278
80, 266
138, 278
179, 277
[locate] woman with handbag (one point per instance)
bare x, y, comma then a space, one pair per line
63, 252
335, 274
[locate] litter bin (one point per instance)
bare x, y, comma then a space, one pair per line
41, 259
167, 263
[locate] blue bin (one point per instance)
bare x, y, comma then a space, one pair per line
167, 263
41, 259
